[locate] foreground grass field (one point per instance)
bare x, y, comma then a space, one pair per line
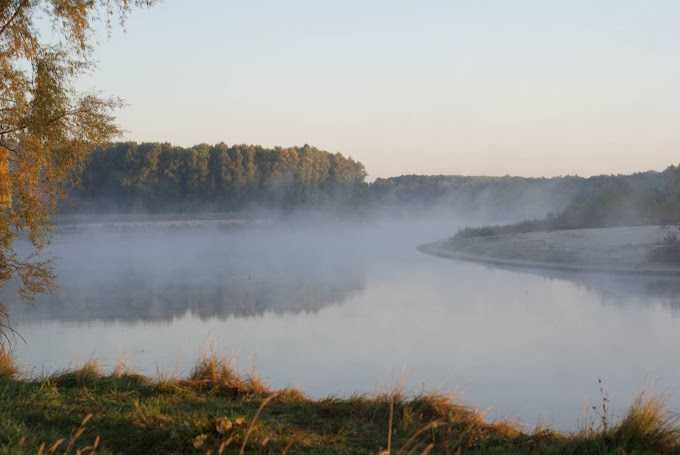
216, 411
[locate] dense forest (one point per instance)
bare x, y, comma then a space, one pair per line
154, 177
130, 177
159, 177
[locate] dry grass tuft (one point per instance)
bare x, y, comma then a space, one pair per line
122, 369
255, 384
89, 372
8, 367
396, 396
214, 370
648, 425
290, 395
438, 405
86, 375
507, 429
434, 406
219, 374
168, 383
456, 425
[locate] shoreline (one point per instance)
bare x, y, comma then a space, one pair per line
494, 251
214, 410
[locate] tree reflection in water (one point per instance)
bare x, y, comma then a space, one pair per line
158, 276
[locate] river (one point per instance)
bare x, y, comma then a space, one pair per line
344, 308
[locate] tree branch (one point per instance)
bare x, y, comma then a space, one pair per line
6, 146
49, 122
21, 6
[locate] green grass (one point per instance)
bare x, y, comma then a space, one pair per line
216, 409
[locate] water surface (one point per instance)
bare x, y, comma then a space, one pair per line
338, 309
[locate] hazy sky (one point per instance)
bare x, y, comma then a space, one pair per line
461, 86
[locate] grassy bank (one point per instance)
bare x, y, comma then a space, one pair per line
217, 411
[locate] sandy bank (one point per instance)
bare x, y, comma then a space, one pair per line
628, 250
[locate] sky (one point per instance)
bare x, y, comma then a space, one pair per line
478, 87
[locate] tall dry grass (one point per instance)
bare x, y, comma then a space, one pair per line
648, 425
8, 367
219, 374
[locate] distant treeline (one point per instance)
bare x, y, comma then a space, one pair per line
129, 177
648, 198
159, 177
474, 198
637, 199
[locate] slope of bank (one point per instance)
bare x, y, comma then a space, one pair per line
215, 411
653, 250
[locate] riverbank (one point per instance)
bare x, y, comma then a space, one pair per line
217, 411
645, 250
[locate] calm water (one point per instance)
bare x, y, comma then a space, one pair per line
337, 310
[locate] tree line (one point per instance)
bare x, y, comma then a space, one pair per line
160, 177
645, 198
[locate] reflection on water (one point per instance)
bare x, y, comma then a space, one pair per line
153, 278
617, 289
338, 310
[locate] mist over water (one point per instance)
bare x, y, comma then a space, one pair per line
336, 308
